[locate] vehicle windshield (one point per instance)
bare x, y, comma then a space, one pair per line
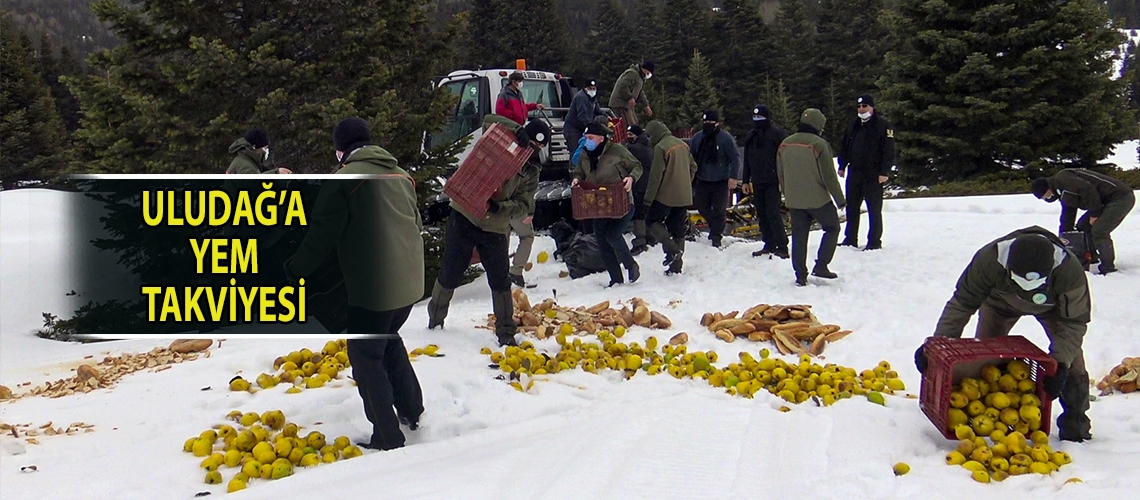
465, 117
539, 91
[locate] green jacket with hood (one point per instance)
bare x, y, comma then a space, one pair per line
613, 164
247, 159
374, 224
515, 197
986, 280
671, 177
805, 167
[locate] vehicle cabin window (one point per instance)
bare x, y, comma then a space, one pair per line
465, 117
539, 91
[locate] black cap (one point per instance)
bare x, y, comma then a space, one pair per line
648, 66
538, 131
350, 133
710, 116
1031, 253
594, 128
1040, 185
257, 137
515, 77
635, 130
761, 110
590, 82
866, 99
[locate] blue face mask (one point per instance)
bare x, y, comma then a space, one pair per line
591, 144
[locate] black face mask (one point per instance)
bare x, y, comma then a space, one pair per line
709, 128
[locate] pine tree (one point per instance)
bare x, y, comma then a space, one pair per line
1130, 73
190, 78
33, 136
700, 94
740, 51
52, 69
645, 40
972, 90
775, 96
795, 36
534, 30
851, 47
607, 35
684, 22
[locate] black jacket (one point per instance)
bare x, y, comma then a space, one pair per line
583, 110
1086, 190
760, 147
868, 148
644, 154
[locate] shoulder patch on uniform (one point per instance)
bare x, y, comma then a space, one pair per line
890, 134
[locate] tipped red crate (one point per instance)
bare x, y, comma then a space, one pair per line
494, 159
590, 201
618, 126
950, 360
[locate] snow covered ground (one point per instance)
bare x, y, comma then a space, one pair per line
1124, 155
577, 435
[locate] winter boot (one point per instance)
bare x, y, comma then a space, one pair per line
1107, 253
762, 252
437, 306
673, 261
823, 272
849, 243
781, 253
640, 245
634, 271
505, 326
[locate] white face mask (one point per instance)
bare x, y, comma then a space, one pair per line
266, 152
866, 115
591, 93
649, 76
339, 156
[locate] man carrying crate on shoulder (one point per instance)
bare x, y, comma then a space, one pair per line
488, 234
1029, 273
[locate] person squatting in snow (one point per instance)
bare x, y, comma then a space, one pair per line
1029, 273
488, 234
374, 225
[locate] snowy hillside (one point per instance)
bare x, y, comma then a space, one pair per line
575, 435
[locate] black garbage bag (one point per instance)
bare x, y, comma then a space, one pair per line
578, 251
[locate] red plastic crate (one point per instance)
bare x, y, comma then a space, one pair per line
590, 201
494, 159
950, 360
618, 126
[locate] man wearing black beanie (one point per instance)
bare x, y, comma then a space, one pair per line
1106, 202
1029, 273
251, 152
372, 220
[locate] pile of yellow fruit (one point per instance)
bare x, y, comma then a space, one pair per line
263, 446
1005, 455
1002, 406
303, 368
795, 383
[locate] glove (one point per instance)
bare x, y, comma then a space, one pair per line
1055, 383
523, 137
920, 361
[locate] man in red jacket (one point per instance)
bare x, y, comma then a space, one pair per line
511, 103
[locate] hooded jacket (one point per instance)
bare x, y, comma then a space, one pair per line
987, 280
247, 159
374, 224
671, 176
805, 167
1083, 189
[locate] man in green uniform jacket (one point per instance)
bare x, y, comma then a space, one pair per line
251, 151
488, 234
373, 221
669, 193
808, 180
607, 163
629, 90
1030, 273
